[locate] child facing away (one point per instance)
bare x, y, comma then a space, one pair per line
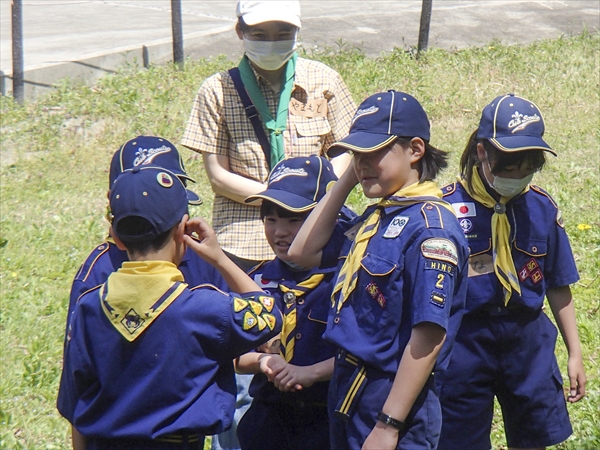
520, 254
148, 362
106, 257
289, 407
401, 280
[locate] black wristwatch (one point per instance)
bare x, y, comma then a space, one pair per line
388, 420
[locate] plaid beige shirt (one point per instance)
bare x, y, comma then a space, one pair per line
218, 124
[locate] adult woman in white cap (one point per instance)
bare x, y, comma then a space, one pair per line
297, 107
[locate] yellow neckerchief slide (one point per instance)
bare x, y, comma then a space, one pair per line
288, 331
427, 191
138, 293
504, 266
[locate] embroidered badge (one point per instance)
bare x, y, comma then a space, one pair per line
249, 321
256, 307
439, 266
270, 320
396, 226
258, 279
267, 302
520, 121
438, 299
262, 323
164, 179
376, 294
284, 171
364, 112
132, 321
440, 249
531, 269
464, 209
466, 225
239, 304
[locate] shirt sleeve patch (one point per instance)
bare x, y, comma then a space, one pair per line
256, 307
250, 321
559, 219
440, 266
239, 304
440, 249
267, 302
438, 299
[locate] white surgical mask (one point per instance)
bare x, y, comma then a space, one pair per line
507, 187
269, 55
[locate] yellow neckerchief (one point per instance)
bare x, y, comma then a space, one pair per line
504, 265
288, 331
138, 293
427, 191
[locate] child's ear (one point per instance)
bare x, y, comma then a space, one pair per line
239, 31
118, 241
417, 148
181, 228
481, 153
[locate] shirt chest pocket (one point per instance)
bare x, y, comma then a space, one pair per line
529, 258
380, 291
310, 134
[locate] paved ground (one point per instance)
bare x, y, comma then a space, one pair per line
59, 32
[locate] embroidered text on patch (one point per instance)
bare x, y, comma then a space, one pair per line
284, 171
145, 156
364, 112
520, 121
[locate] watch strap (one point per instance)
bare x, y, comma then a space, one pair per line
388, 420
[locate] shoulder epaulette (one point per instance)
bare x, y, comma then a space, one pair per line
88, 265
209, 286
432, 215
540, 191
88, 291
449, 189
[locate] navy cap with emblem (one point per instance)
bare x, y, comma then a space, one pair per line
144, 151
512, 124
152, 193
297, 184
380, 120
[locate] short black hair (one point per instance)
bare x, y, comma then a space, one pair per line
267, 207
499, 160
136, 225
431, 163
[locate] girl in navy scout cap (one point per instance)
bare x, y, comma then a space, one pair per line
401, 279
520, 254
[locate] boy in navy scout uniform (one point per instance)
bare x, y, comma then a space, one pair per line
519, 254
289, 406
141, 151
148, 362
401, 280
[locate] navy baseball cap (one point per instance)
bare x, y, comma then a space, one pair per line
150, 151
297, 184
152, 193
513, 124
380, 120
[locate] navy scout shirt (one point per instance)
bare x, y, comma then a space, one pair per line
413, 271
539, 246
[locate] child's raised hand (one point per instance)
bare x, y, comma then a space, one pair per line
206, 246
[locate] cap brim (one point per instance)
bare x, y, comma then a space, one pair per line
193, 198
361, 142
521, 143
287, 200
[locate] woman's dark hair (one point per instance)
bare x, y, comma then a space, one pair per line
498, 159
138, 226
267, 207
432, 162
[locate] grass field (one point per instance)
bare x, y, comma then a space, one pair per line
54, 176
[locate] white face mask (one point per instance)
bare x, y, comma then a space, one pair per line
507, 187
269, 55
